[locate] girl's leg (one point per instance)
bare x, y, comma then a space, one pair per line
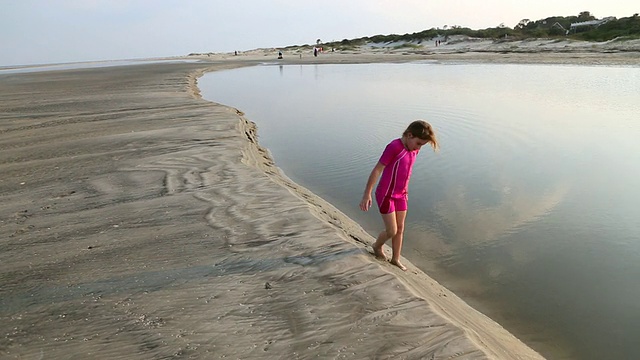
390, 229
396, 240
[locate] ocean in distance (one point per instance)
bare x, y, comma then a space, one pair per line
529, 212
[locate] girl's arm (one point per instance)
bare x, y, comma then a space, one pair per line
365, 203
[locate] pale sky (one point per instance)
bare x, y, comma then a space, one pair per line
59, 31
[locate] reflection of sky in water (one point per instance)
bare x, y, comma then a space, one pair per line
535, 183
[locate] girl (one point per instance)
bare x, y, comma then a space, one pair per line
395, 165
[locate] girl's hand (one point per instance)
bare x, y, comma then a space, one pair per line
365, 204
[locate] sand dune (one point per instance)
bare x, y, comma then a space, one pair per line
457, 48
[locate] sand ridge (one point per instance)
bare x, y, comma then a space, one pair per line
456, 49
140, 221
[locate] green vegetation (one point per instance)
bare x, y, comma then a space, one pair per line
628, 27
555, 27
407, 45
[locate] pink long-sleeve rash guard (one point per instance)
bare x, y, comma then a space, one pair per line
398, 163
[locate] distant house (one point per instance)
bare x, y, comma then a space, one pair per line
591, 23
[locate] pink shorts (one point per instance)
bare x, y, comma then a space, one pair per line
387, 205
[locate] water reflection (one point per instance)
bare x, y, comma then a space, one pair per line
529, 208
474, 224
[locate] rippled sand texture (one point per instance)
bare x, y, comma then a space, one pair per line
140, 221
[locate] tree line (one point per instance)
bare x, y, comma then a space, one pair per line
551, 27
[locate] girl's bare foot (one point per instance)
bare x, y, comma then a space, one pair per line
379, 252
399, 264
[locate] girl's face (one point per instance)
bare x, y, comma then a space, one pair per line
414, 143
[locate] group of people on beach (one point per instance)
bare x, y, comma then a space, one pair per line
394, 171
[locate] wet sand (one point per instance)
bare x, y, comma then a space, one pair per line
141, 221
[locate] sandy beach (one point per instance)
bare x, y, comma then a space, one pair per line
141, 221
458, 49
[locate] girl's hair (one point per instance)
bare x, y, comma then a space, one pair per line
422, 130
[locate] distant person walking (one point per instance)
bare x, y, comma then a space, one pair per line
394, 170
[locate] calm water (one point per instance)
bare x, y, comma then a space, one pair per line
530, 211
21, 69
